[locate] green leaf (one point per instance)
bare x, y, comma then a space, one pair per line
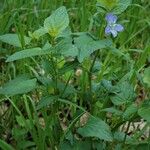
57, 22
5, 146
144, 112
130, 111
66, 89
68, 67
38, 33
122, 6
18, 132
14, 40
87, 45
47, 46
124, 93
46, 101
140, 146
67, 32
28, 53
26, 144
21, 121
112, 110
19, 85
77, 145
95, 127
66, 48
119, 136
98, 145
108, 4
146, 77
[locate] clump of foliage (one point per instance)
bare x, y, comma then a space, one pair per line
79, 79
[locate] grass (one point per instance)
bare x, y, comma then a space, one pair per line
63, 102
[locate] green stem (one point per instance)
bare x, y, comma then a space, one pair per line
90, 78
90, 70
125, 137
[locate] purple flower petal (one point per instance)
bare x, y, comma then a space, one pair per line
108, 30
110, 18
114, 33
118, 27
112, 27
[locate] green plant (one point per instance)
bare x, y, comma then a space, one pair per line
70, 90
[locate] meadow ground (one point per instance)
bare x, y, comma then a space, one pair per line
74, 74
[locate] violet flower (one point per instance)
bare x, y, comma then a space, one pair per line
112, 27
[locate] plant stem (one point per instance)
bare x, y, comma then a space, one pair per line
90, 77
125, 137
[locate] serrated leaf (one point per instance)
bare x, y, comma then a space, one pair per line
130, 111
107, 84
144, 112
47, 46
124, 93
19, 85
122, 6
38, 33
66, 48
87, 45
95, 127
14, 40
45, 101
27, 53
67, 32
57, 22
